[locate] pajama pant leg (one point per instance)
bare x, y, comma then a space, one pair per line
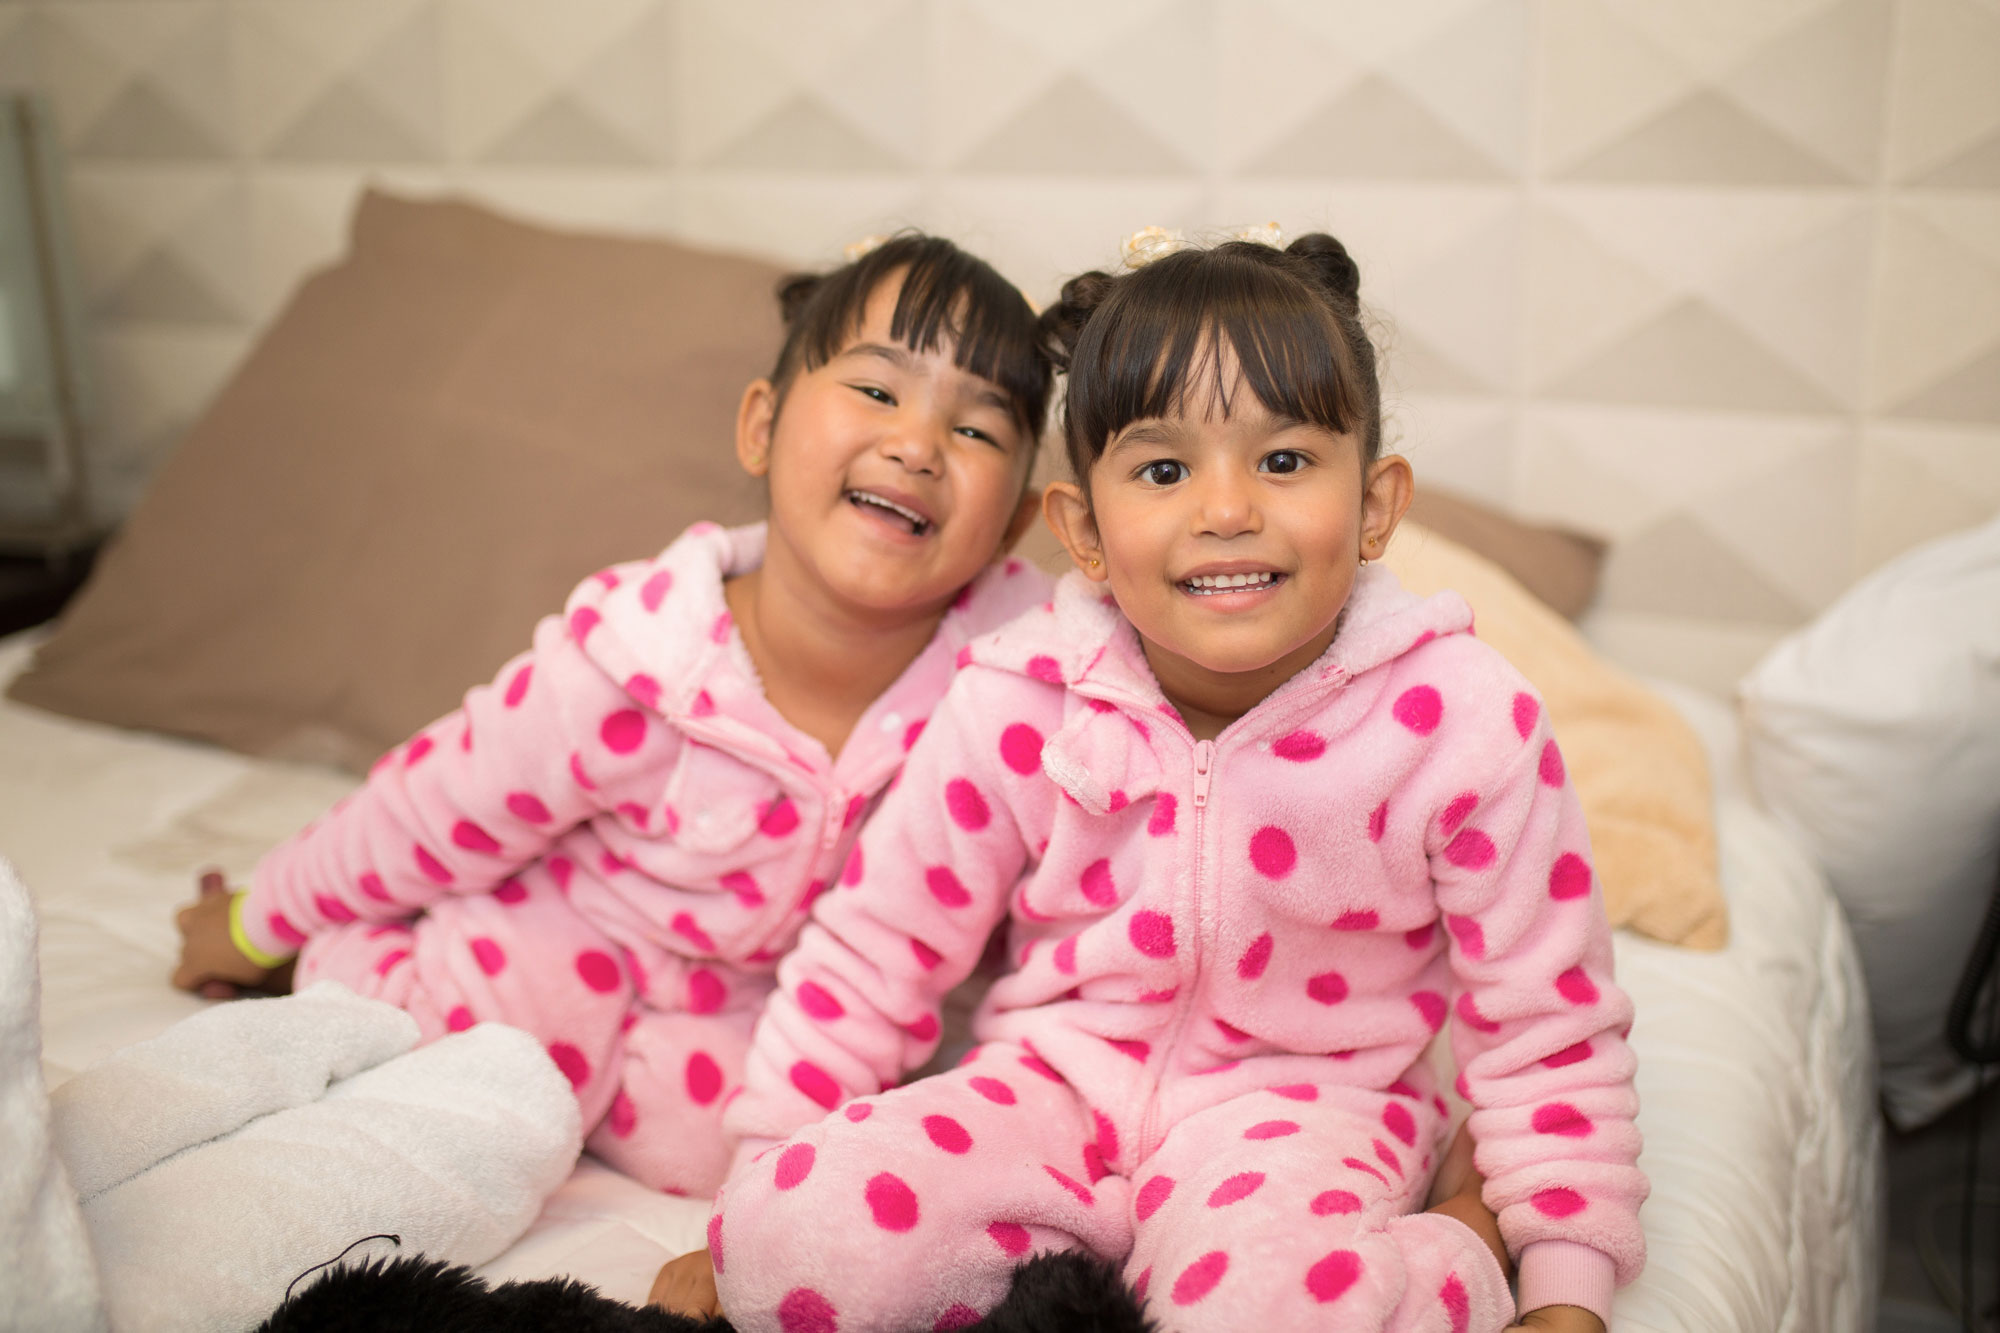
664, 1128
1293, 1210
519, 955
912, 1209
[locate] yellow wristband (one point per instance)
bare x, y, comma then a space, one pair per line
241, 939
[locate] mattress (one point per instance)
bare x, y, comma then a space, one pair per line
1758, 1109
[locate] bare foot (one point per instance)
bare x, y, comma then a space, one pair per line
1455, 1192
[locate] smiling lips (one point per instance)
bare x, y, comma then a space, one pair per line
1208, 585
919, 524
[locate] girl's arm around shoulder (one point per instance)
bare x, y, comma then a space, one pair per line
858, 1000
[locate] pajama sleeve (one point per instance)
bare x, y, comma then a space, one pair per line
858, 1000
470, 799
1539, 1026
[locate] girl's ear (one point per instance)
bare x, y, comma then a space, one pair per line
1069, 517
755, 416
1383, 504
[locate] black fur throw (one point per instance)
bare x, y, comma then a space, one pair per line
1052, 1293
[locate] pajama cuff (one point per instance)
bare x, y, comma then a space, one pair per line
241, 937
1565, 1272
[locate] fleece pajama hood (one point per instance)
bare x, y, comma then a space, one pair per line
610, 846
1227, 961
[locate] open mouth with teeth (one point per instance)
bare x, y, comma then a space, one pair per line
1208, 585
909, 519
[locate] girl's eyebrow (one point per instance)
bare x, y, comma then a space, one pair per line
901, 358
1146, 434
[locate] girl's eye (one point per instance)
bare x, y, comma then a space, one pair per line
880, 395
1283, 461
1163, 472
974, 433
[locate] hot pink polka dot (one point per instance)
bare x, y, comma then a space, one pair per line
1151, 1195
492, 959
794, 1165
1271, 851
1378, 822
473, 838
1327, 987
1471, 939
858, 1111
1397, 1119
622, 1117
1297, 1092
459, 1019
892, 1201
433, 869
927, 957
1162, 822
1419, 708
957, 1316
1036, 1064
1010, 1237
804, 1310
1455, 814
911, 732
527, 807
1470, 850
1230, 1032
1526, 711
719, 631
818, 1001
967, 806
1551, 768
1152, 934
517, 688
924, 1028
947, 1134
1563, 1119
372, 885
703, 705
816, 1083
1045, 668
1299, 746
1073, 1186
1356, 1164
1021, 748
1558, 1202
992, 1089
570, 1060
945, 887
1135, 1050
1096, 883
418, 748
1357, 921
850, 874
1330, 1278
1468, 1014
643, 688
715, 1240
1335, 1203
1271, 1129
1575, 987
1456, 1303
684, 925
387, 962
1431, 1005
1421, 936
1239, 1186
598, 971
576, 772
780, 819
1255, 958
623, 731
582, 621
1199, 1278
1065, 956
333, 909
704, 1078
1569, 877
1141, 1282
655, 590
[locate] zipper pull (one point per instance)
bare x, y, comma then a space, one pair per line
834, 822
1204, 756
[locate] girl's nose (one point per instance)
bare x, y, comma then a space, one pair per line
1225, 503
915, 440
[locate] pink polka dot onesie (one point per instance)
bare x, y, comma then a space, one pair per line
610, 846
1229, 957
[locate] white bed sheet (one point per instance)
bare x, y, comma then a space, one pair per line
1762, 1140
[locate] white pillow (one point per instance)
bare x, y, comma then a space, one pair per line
1875, 733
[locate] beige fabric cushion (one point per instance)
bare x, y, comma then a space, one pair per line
1639, 768
436, 439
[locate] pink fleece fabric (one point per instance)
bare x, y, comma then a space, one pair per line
610, 846
1223, 952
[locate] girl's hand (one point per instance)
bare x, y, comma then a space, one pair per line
687, 1286
211, 965
1558, 1319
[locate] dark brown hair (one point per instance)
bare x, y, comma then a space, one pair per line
1139, 344
946, 293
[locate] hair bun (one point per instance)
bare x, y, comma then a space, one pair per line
1062, 323
793, 293
1335, 266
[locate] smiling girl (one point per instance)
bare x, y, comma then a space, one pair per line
613, 843
1257, 821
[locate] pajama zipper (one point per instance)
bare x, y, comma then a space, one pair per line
1204, 768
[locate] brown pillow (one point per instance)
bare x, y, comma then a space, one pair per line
1557, 565
437, 438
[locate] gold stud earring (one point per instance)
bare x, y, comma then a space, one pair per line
1093, 562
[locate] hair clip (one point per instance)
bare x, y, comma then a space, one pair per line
1145, 245
1268, 233
859, 250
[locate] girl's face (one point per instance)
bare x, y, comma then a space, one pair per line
894, 476
1230, 542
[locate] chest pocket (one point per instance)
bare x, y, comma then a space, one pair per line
1102, 760
717, 799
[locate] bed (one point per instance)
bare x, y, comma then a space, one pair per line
1762, 1139
278, 566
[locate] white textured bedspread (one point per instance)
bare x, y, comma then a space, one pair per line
1761, 1134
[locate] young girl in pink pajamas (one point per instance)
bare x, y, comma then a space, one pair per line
613, 843
1258, 822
